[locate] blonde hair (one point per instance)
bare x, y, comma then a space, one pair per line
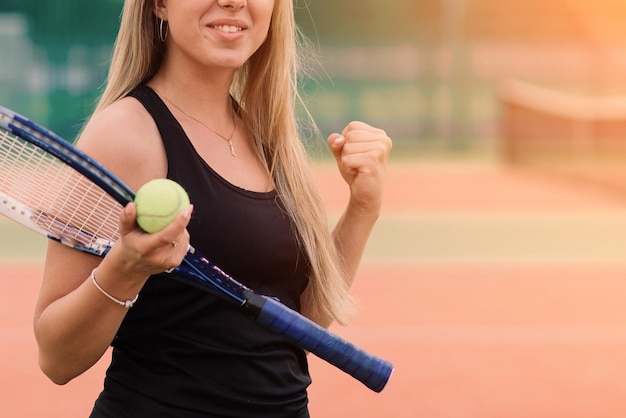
267, 90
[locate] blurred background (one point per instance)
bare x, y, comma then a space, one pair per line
495, 278
428, 71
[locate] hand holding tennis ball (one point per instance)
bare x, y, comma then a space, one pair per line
158, 203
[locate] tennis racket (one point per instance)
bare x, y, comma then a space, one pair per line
54, 189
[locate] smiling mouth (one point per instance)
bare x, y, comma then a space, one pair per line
227, 28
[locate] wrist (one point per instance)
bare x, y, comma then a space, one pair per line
127, 303
117, 282
366, 211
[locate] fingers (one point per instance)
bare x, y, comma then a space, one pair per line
156, 252
362, 152
172, 241
360, 147
360, 137
175, 234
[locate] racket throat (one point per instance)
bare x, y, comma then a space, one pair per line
253, 304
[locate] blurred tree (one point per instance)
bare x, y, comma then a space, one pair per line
73, 40
540, 20
366, 22
61, 23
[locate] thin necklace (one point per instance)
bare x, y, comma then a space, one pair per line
228, 139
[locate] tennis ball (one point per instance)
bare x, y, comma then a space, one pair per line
158, 203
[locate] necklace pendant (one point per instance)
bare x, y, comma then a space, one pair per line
232, 148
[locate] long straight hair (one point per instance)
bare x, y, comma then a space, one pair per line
266, 87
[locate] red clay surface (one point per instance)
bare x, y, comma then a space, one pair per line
469, 339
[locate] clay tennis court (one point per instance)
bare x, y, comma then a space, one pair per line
495, 292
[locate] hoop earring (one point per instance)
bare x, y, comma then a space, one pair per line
162, 33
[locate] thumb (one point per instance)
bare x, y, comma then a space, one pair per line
128, 218
336, 143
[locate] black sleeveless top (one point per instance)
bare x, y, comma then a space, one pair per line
182, 352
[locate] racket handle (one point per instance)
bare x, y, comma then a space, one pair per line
372, 371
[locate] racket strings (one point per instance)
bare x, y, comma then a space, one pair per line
54, 196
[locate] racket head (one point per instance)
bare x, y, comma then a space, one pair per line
54, 189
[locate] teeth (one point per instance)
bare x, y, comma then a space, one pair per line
228, 29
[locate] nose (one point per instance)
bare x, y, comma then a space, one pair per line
233, 4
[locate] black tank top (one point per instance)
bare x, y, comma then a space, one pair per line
182, 350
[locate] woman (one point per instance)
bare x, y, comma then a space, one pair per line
202, 92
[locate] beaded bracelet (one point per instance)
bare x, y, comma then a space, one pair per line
128, 303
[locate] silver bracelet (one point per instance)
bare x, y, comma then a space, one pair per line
128, 303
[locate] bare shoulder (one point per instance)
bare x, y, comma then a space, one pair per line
124, 138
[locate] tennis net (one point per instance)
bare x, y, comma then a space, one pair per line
582, 136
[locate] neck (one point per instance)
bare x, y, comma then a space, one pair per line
202, 108
208, 106
200, 87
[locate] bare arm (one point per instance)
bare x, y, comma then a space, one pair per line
361, 152
74, 322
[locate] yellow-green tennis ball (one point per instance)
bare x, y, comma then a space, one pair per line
158, 203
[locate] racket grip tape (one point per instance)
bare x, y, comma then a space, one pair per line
370, 370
